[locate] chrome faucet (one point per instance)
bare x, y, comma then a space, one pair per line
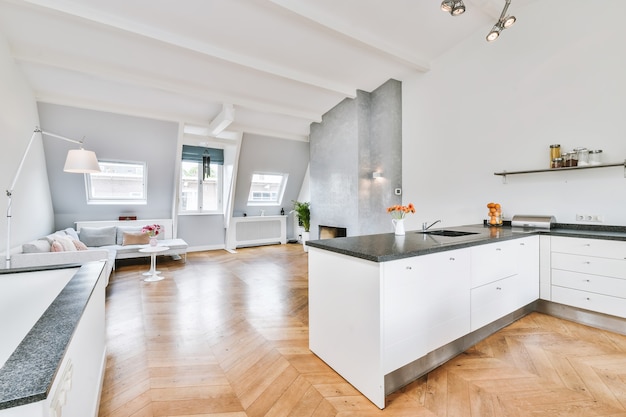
425, 226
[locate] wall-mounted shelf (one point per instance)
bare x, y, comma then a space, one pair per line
533, 171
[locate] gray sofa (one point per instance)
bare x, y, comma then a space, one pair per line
94, 242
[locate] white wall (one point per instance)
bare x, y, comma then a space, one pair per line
557, 76
32, 205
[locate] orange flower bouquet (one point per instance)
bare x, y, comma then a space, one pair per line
399, 212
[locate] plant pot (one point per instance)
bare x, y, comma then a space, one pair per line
305, 236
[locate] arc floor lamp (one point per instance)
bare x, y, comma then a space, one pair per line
78, 161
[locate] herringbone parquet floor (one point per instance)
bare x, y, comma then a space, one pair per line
225, 335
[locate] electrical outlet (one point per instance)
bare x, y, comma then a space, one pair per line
595, 218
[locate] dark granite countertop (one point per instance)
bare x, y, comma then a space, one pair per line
27, 375
388, 247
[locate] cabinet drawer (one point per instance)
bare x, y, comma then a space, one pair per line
493, 262
591, 283
497, 299
615, 268
592, 247
589, 301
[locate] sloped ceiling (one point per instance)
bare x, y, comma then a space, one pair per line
281, 64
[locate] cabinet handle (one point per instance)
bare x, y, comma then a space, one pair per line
587, 262
409, 267
498, 249
522, 244
498, 288
588, 299
587, 244
453, 259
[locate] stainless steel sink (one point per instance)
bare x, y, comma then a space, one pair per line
449, 233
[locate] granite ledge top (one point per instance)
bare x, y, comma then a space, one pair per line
388, 247
28, 374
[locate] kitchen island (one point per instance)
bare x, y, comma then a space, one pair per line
386, 309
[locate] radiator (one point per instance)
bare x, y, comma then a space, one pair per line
257, 230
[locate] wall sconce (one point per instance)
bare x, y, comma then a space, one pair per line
504, 22
377, 174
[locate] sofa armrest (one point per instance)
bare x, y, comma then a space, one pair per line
29, 260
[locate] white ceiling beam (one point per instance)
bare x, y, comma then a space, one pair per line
51, 98
159, 83
111, 107
308, 10
268, 132
137, 28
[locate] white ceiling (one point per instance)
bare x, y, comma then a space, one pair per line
281, 63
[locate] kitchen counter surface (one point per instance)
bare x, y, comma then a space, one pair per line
388, 247
27, 375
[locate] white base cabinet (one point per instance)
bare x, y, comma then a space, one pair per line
589, 274
505, 277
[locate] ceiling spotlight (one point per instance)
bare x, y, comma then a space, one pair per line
503, 22
508, 21
494, 34
454, 7
458, 8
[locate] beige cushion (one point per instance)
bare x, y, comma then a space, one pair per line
135, 238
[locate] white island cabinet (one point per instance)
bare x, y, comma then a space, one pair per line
375, 320
425, 300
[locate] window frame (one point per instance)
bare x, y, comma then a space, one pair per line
143, 200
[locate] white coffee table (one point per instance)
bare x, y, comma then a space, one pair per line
153, 275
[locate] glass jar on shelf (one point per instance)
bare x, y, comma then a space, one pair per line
583, 156
557, 163
595, 157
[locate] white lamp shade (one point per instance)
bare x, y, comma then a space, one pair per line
80, 161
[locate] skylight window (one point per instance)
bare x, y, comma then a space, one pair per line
267, 189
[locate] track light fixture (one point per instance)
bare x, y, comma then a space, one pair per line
503, 22
454, 7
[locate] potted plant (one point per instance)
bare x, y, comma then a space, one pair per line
303, 211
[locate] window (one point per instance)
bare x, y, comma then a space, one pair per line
267, 189
200, 191
118, 183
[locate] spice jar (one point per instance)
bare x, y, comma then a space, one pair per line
583, 156
555, 152
567, 159
557, 163
595, 157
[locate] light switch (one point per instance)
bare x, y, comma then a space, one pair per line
397, 191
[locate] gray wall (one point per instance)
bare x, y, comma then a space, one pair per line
354, 139
262, 153
115, 137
